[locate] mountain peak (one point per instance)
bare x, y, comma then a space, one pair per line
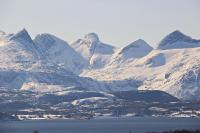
91, 37
136, 49
46, 41
138, 44
177, 32
22, 35
175, 36
22, 32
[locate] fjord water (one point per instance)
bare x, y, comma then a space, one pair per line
114, 125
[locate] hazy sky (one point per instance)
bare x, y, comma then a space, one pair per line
117, 22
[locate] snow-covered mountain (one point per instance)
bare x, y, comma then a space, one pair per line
18, 51
48, 63
129, 53
93, 50
59, 52
179, 40
25, 66
174, 70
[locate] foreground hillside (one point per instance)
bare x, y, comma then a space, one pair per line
80, 104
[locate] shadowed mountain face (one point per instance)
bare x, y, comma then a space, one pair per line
146, 96
50, 64
177, 39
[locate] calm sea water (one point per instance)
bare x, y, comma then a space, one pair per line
120, 125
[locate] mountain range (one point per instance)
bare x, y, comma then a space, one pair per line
50, 64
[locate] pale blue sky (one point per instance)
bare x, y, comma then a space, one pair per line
117, 22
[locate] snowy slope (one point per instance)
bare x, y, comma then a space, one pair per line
93, 50
175, 70
59, 52
49, 64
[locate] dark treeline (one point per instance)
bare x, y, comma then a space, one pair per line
179, 131
172, 131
